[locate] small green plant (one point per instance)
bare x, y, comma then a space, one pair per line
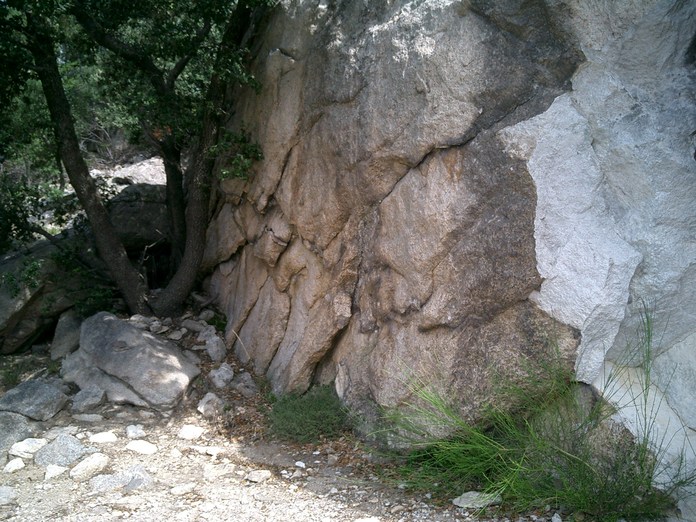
309, 417
241, 153
13, 371
559, 447
26, 278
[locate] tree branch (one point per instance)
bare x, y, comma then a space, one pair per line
122, 49
179, 67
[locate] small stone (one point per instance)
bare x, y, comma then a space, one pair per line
89, 467
135, 431
476, 500
190, 432
259, 475
27, 447
222, 376
142, 446
87, 399
206, 315
53, 471
210, 405
62, 451
216, 349
64, 430
7, 495
183, 489
177, 335
103, 437
13, 465
192, 325
300, 464
556, 518
88, 417
332, 460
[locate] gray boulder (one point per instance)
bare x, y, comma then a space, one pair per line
36, 399
64, 450
130, 364
66, 338
13, 428
139, 214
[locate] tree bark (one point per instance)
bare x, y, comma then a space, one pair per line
109, 245
200, 172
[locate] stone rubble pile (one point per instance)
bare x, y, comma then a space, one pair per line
96, 453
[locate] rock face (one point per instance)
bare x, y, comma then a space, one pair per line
447, 185
130, 364
387, 232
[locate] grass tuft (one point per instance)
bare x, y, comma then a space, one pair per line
560, 447
309, 417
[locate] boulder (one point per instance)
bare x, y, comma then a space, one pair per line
14, 428
36, 399
386, 222
132, 365
453, 187
66, 338
34, 291
139, 213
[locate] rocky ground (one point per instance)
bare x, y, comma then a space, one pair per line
121, 462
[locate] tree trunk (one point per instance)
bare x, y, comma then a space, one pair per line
171, 156
200, 172
109, 245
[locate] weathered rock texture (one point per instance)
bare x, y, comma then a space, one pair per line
387, 232
446, 185
129, 364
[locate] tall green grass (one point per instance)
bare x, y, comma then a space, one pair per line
559, 447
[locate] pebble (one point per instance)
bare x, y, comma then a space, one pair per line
27, 447
13, 465
53, 471
135, 431
259, 475
183, 489
190, 432
103, 437
7, 495
142, 446
88, 467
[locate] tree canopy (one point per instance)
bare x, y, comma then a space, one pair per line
162, 69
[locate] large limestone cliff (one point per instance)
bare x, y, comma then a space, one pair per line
449, 185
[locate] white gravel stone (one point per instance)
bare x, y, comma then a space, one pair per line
142, 446
7, 495
53, 471
13, 465
190, 432
89, 467
183, 489
259, 475
103, 437
135, 431
27, 447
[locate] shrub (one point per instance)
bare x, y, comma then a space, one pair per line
309, 417
560, 449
